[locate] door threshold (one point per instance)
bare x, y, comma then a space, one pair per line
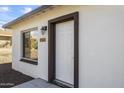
62, 84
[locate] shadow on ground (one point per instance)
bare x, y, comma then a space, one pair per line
10, 77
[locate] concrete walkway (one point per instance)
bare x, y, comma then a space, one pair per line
36, 83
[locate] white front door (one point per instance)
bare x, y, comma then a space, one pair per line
65, 52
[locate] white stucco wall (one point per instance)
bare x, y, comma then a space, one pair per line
101, 45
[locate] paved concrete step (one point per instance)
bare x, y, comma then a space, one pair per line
36, 83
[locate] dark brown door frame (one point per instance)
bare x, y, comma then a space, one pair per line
52, 46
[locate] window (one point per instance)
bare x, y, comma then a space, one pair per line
30, 46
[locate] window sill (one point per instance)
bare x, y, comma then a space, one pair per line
29, 61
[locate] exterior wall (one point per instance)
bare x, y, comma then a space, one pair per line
101, 45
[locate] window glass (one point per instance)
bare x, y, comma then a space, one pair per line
30, 45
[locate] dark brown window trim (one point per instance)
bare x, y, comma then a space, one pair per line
30, 29
29, 61
52, 48
23, 59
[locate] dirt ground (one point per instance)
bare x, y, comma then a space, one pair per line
10, 77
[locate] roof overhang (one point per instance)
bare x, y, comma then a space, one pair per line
39, 9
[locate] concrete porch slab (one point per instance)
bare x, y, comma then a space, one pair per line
37, 83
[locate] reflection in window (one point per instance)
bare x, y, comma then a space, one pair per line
30, 45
